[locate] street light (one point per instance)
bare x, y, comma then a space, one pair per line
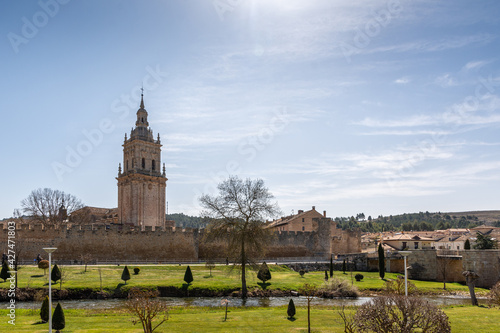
49, 250
405, 254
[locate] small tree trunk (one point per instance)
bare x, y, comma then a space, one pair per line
308, 315
473, 298
243, 273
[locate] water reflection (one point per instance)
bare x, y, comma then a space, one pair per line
238, 302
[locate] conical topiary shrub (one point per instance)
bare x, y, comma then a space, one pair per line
44, 310
125, 274
58, 320
264, 274
55, 275
188, 276
291, 309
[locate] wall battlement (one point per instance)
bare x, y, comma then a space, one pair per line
125, 242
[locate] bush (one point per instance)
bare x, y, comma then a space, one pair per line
44, 310
55, 275
400, 314
4, 274
188, 276
291, 309
125, 274
398, 286
338, 288
43, 264
302, 272
264, 274
494, 295
136, 270
58, 320
358, 277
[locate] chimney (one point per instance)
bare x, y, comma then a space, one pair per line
300, 211
324, 213
314, 208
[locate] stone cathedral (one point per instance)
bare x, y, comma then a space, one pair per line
141, 183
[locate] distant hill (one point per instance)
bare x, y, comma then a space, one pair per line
186, 221
421, 221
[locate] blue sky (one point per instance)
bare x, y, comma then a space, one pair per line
380, 107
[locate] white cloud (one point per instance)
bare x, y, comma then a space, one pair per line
403, 80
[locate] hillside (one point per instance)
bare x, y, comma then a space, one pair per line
421, 221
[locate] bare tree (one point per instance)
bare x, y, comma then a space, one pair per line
444, 262
309, 291
399, 314
86, 258
238, 214
141, 303
50, 206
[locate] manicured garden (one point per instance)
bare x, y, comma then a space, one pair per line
196, 319
222, 278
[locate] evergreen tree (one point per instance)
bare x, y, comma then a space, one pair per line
4, 274
326, 275
44, 310
264, 274
55, 275
331, 265
344, 266
188, 276
291, 309
381, 261
485, 242
467, 244
125, 274
58, 320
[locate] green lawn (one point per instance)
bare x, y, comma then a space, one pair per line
223, 278
191, 319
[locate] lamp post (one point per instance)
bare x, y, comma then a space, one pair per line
49, 250
405, 254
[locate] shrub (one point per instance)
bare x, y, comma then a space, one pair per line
397, 286
58, 320
291, 309
188, 276
326, 276
344, 266
125, 274
4, 274
397, 313
136, 270
55, 275
43, 264
338, 288
494, 294
146, 309
264, 274
302, 272
358, 277
44, 310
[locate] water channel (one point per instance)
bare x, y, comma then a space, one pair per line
238, 302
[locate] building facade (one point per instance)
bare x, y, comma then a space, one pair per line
141, 182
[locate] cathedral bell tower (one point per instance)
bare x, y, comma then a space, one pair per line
141, 183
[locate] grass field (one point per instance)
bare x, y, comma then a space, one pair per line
323, 319
223, 278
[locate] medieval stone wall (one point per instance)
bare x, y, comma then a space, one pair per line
121, 242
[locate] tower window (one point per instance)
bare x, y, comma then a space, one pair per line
144, 163
126, 169
142, 120
153, 166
